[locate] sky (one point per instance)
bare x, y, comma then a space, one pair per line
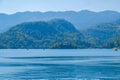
13, 6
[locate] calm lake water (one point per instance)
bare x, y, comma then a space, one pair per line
80, 64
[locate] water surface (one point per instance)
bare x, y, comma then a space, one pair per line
80, 64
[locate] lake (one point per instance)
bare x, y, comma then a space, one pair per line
47, 64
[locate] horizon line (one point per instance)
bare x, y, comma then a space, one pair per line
60, 11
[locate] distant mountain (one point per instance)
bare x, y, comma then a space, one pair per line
56, 33
82, 20
103, 35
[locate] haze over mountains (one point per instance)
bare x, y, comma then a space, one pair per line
63, 30
81, 20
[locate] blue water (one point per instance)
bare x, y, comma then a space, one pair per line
80, 64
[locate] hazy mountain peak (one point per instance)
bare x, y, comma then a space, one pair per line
87, 11
109, 11
81, 20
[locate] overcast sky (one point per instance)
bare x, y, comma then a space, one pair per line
12, 6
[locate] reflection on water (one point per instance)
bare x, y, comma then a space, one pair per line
68, 67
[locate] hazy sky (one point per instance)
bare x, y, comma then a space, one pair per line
12, 6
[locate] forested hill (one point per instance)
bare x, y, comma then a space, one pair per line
56, 33
60, 34
104, 35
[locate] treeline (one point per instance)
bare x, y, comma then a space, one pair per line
60, 34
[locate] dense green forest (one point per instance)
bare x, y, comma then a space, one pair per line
103, 35
60, 34
52, 34
112, 43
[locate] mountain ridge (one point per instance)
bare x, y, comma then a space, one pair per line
81, 19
